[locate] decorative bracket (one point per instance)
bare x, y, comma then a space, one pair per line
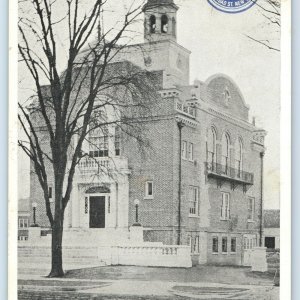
245, 188
233, 185
219, 183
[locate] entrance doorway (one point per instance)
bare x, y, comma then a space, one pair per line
270, 242
97, 211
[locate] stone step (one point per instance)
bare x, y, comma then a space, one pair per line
273, 265
37, 260
66, 254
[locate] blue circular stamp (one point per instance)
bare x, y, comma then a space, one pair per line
232, 6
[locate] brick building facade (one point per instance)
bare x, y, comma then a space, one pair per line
200, 182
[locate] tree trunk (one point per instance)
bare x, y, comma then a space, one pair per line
57, 226
56, 250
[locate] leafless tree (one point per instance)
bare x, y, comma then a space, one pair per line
270, 10
63, 110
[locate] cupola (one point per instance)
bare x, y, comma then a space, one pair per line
160, 20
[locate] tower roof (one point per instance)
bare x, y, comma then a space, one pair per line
157, 3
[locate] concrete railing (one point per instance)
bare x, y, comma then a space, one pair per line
91, 165
139, 255
154, 256
96, 164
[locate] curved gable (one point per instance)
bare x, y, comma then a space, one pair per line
227, 95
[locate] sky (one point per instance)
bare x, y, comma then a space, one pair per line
219, 44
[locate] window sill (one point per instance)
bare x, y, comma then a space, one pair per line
225, 253
215, 253
148, 198
194, 216
221, 219
250, 221
232, 253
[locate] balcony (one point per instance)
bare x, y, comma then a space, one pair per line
235, 176
98, 165
186, 109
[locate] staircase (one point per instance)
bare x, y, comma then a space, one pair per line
95, 236
39, 257
273, 261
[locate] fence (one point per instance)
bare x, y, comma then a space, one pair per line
154, 256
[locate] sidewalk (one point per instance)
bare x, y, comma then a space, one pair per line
202, 282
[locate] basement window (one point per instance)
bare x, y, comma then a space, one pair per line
224, 244
215, 244
233, 245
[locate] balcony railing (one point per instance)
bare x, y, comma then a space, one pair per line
185, 109
94, 165
219, 170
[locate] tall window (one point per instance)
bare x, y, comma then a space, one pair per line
149, 189
225, 206
152, 24
86, 205
238, 157
23, 223
194, 244
215, 244
249, 242
190, 151
225, 153
98, 142
164, 24
250, 208
233, 244
193, 201
117, 140
184, 150
211, 146
224, 244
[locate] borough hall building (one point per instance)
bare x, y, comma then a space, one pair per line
201, 186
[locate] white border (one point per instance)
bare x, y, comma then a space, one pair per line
285, 150
285, 153
12, 151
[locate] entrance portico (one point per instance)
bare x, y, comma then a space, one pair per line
99, 202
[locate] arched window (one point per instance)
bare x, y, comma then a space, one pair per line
164, 24
211, 148
238, 157
152, 24
225, 153
174, 26
227, 97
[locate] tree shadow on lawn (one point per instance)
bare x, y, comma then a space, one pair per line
203, 273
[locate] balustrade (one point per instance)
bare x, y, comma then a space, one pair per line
186, 109
230, 173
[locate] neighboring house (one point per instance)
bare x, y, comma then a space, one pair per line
200, 185
23, 219
272, 228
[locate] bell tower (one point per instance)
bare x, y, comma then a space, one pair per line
160, 20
